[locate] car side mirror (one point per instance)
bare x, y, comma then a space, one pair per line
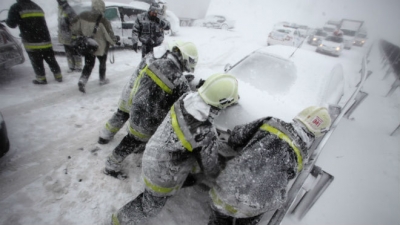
227, 67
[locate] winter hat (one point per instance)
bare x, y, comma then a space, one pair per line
98, 6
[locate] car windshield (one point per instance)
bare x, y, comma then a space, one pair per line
335, 39
349, 32
362, 35
283, 31
329, 29
321, 33
266, 72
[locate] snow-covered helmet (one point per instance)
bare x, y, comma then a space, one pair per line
159, 8
220, 90
316, 119
188, 54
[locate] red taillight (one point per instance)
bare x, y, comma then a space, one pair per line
288, 38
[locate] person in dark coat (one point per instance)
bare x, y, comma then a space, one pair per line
154, 90
29, 17
270, 153
84, 25
149, 28
186, 138
65, 16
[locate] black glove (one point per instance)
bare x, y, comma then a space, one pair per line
201, 82
135, 47
157, 20
62, 2
118, 43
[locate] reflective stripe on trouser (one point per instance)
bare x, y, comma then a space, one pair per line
114, 124
220, 204
139, 133
180, 128
37, 46
160, 190
40, 78
31, 13
285, 138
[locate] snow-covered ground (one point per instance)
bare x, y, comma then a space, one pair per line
52, 173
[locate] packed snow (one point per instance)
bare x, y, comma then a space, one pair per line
52, 173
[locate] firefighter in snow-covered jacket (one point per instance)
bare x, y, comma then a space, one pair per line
149, 28
29, 17
157, 86
185, 138
270, 153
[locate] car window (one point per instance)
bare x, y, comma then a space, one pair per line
334, 39
283, 31
362, 35
79, 8
266, 72
349, 32
111, 14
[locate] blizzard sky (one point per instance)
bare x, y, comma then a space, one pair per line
52, 173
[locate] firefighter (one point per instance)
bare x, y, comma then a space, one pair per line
29, 17
271, 152
149, 28
65, 16
118, 119
157, 86
184, 139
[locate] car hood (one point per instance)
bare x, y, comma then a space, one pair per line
316, 81
331, 44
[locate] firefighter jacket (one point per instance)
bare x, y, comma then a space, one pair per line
65, 16
157, 86
180, 143
270, 153
149, 31
84, 25
32, 25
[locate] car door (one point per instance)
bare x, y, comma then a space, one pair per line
112, 14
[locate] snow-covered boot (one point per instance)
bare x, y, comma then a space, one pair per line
81, 85
113, 168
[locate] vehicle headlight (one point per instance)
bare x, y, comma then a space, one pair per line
314, 39
321, 45
362, 41
337, 48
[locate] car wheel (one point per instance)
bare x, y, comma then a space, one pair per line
224, 27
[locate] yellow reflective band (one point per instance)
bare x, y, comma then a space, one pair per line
135, 87
115, 220
285, 138
111, 128
138, 134
158, 81
159, 189
122, 107
219, 202
178, 130
31, 47
27, 15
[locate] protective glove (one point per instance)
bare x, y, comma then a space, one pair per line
201, 82
118, 43
135, 47
62, 3
157, 20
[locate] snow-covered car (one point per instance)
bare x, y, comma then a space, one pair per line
122, 17
360, 39
216, 21
11, 53
274, 83
317, 37
329, 28
4, 141
282, 35
332, 45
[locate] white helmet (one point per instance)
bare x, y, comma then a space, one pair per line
316, 119
159, 8
189, 54
220, 90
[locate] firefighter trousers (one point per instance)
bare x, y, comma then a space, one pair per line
38, 56
217, 218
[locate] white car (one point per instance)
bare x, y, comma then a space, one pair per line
317, 37
122, 17
215, 21
360, 39
332, 45
284, 36
11, 52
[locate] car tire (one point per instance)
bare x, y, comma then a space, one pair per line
224, 27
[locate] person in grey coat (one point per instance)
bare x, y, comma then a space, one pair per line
84, 25
65, 16
155, 88
186, 138
149, 29
270, 153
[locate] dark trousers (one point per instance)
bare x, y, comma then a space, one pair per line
73, 58
217, 218
127, 146
90, 60
37, 57
140, 209
146, 49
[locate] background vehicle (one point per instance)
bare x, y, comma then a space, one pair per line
361, 37
329, 28
11, 53
4, 142
216, 21
350, 29
284, 36
188, 11
317, 37
332, 45
122, 17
